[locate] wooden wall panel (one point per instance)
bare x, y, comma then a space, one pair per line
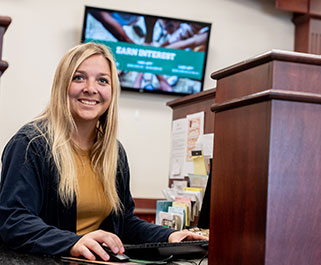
239, 186
294, 209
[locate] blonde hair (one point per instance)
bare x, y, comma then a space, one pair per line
58, 125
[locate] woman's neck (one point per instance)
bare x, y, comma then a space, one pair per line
85, 136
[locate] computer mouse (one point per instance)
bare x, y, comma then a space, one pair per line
115, 256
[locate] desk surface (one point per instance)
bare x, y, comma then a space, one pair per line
9, 257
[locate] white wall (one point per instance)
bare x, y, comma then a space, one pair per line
42, 31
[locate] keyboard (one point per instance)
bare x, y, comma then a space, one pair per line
165, 250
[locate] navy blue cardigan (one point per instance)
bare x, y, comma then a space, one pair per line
32, 216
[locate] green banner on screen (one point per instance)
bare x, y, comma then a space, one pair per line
156, 60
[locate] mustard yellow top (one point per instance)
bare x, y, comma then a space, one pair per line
92, 204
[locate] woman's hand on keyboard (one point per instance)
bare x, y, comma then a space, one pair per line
179, 236
90, 244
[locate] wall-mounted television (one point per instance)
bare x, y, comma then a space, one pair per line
153, 54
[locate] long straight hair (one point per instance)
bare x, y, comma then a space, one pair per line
58, 125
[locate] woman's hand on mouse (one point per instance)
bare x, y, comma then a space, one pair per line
91, 243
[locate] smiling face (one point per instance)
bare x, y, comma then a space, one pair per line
90, 91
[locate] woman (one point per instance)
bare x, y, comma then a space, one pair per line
65, 177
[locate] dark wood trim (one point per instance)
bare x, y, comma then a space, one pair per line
210, 93
145, 208
312, 7
279, 55
145, 203
3, 66
5, 21
267, 95
315, 7
299, 6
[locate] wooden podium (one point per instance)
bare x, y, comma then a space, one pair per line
266, 182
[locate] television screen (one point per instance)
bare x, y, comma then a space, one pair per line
153, 54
